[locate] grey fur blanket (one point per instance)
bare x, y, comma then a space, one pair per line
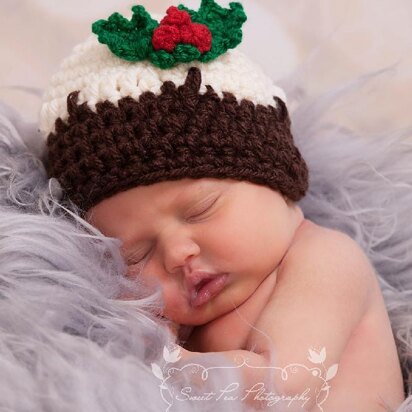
67, 345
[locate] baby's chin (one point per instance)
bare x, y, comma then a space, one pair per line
193, 319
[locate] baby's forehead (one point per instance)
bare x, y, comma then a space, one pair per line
187, 186
187, 190
204, 182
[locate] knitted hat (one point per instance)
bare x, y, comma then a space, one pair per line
144, 102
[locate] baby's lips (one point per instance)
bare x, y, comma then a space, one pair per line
208, 290
195, 280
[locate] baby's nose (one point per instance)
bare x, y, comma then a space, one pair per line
177, 252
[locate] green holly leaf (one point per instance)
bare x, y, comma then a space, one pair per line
129, 40
132, 40
224, 24
162, 59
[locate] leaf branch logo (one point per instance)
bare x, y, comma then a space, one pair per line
319, 357
168, 374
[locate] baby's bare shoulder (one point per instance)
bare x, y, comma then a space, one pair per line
322, 292
327, 257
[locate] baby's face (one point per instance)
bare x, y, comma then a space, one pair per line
235, 230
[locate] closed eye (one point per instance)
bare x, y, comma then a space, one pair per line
197, 215
134, 261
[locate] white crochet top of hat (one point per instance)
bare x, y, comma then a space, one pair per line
99, 75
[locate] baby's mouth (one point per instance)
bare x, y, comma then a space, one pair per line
204, 286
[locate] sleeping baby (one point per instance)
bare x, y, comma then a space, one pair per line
170, 139
242, 265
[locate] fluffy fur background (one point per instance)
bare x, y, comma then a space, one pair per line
66, 344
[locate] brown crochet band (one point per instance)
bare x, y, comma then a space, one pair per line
177, 134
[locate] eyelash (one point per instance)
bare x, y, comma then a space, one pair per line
136, 262
204, 211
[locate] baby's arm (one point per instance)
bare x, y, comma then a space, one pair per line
320, 297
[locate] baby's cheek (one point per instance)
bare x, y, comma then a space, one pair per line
176, 306
173, 298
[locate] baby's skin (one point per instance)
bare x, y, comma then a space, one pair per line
273, 285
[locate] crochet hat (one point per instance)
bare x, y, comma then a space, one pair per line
144, 102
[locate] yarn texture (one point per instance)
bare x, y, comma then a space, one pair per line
183, 36
177, 134
99, 75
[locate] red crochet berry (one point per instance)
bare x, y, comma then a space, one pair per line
177, 27
176, 17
